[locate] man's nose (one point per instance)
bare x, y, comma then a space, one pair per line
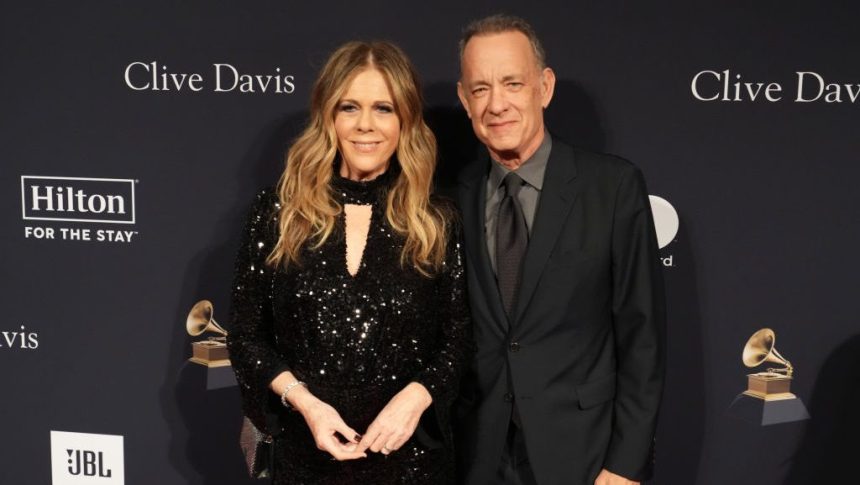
498, 102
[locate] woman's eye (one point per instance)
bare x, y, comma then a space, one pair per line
385, 109
347, 107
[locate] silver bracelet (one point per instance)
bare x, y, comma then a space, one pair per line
287, 389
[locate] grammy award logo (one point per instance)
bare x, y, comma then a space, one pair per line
211, 352
768, 398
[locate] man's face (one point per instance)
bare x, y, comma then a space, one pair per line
505, 92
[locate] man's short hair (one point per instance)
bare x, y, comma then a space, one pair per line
498, 23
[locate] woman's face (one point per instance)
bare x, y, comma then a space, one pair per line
367, 126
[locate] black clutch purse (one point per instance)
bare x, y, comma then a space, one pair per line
257, 448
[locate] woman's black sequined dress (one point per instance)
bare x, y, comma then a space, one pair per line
355, 340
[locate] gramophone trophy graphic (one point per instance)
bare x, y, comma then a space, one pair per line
211, 352
768, 398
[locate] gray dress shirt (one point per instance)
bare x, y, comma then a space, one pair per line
532, 172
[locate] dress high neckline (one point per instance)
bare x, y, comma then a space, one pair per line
362, 192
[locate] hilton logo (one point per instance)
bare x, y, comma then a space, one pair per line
83, 458
79, 200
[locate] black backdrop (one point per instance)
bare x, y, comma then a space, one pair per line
765, 192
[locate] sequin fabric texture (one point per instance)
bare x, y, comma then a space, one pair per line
355, 340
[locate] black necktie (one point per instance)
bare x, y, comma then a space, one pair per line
512, 239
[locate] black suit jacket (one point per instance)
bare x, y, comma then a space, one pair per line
586, 343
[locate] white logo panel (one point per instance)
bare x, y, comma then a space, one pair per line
86, 459
665, 220
77, 199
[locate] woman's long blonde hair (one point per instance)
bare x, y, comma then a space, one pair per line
308, 208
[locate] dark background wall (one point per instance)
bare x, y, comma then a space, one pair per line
765, 191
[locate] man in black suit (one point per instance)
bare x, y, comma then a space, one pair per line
565, 286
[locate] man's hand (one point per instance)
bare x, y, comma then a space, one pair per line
397, 421
606, 477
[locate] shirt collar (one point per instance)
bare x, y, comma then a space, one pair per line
531, 171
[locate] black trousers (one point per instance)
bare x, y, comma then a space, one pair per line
514, 467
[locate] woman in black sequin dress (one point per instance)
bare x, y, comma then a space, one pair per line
350, 325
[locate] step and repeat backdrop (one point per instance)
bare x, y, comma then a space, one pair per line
134, 135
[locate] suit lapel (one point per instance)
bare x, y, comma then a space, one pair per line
556, 199
473, 194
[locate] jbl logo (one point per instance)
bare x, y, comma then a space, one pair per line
87, 463
86, 459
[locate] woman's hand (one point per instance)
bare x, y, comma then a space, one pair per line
323, 420
606, 477
325, 423
397, 421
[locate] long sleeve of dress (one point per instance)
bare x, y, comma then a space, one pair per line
250, 342
442, 374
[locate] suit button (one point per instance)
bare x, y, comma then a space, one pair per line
508, 397
514, 347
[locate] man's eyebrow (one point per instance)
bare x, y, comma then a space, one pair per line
477, 82
505, 79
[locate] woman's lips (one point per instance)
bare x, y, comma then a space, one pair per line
365, 147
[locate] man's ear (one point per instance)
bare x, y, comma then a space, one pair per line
462, 95
547, 86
